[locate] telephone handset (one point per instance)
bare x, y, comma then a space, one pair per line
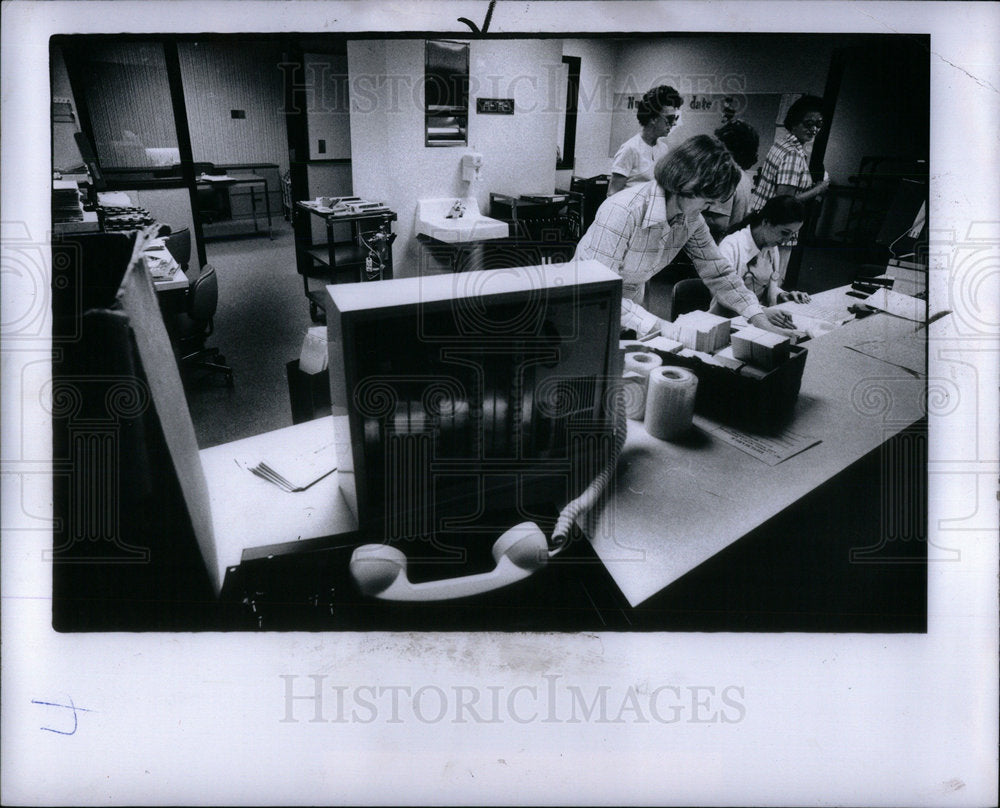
380, 570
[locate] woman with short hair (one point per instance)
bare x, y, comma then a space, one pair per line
743, 142
658, 111
786, 168
639, 230
753, 253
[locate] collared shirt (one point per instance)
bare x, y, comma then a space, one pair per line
786, 164
631, 236
760, 270
635, 159
723, 215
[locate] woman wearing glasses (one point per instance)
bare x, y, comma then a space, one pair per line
658, 111
640, 230
753, 253
786, 167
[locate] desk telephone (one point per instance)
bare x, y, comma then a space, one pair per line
379, 570
489, 392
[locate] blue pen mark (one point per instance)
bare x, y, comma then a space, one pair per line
69, 706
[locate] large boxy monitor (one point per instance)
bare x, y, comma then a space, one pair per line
472, 393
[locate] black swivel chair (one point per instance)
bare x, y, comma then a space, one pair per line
178, 244
689, 294
195, 325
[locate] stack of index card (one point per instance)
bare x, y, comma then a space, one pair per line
763, 349
699, 331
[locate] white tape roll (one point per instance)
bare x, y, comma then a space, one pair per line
670, 402
641, 362
634, 389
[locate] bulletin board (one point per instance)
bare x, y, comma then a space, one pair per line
702, 114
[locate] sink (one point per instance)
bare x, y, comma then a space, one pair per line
470, 226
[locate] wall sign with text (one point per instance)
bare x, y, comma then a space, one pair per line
495, 106
702, 114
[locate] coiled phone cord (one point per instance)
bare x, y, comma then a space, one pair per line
593, 492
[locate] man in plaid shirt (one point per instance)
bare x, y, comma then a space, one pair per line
639, 230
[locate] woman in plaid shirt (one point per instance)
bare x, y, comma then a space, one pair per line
786, 167
639, 230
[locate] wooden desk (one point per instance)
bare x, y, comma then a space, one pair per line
676, 505
242, 179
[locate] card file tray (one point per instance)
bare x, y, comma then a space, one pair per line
747, 398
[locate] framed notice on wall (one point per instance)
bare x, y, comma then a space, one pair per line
702, 114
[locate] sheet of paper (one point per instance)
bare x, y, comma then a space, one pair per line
813, 311
909, 353
900, 305
771, 449
115, 199
159, 261
812, 327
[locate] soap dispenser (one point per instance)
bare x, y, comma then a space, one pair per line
471, 165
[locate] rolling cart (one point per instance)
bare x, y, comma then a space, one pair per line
358, 245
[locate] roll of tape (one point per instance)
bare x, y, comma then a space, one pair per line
634, 389
670, 402
641, 362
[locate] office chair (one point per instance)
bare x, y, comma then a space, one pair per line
195, 325
689, 294
178, 244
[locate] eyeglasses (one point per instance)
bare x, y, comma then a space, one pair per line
670, 119
813, 124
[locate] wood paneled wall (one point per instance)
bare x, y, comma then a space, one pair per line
220, 77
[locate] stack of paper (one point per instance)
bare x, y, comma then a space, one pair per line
699, 331
294, 470
159, 261
66, 205
765, 349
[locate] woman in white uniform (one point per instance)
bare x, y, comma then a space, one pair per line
753, 254
658, 112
